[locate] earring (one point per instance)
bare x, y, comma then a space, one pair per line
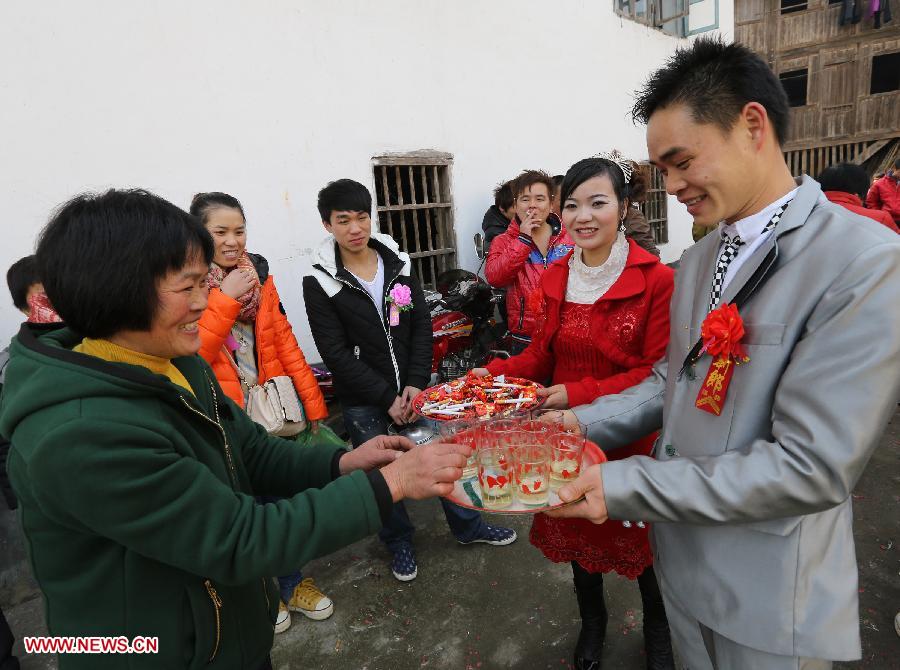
622, 224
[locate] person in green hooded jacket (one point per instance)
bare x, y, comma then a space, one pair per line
136, 474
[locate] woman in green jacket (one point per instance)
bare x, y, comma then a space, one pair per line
136, 475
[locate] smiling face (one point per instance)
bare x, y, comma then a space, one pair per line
534, 198
592, 213
229, 233
174, 331
707, 168
351, 230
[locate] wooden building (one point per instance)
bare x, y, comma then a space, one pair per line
843, 81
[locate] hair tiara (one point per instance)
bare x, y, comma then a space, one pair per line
616, 157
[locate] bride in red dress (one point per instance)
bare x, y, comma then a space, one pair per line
605, 322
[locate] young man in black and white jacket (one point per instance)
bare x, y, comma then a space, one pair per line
380, 361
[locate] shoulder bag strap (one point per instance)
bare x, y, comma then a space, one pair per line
237, 368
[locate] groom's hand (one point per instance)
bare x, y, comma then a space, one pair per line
590, 486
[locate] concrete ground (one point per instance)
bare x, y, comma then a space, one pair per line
485, 607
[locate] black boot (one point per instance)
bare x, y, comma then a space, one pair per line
657, 640
592, 607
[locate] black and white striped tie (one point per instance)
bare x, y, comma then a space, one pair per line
729, 253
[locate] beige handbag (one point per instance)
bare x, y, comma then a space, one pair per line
274, 404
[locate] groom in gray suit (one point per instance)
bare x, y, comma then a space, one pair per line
749, 492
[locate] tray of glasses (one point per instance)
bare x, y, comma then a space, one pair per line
521, 486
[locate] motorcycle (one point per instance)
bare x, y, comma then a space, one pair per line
464, 332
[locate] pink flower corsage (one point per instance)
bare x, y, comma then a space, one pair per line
400, 298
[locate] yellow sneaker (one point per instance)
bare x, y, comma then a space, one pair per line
283, 622
310, 601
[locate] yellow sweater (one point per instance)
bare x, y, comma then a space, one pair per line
116, 354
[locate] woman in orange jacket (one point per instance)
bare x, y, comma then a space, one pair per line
247, 339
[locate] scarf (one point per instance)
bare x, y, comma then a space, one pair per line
40, 310
250, 300
587, 285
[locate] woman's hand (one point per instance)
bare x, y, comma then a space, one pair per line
375, 453
426, 471
237, 283
409, 394
480, 372
556, 397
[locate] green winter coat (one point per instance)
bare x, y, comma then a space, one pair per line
136, 499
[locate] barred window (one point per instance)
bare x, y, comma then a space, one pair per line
415, 207
655, 206
670, 16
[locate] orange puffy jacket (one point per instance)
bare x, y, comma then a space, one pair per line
277, 351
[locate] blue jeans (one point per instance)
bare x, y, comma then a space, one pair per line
363, 422
286, 583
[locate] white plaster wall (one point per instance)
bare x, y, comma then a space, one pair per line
271, 100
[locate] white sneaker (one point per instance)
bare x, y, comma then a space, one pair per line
283, 622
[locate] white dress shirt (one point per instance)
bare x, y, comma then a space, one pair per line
750, 230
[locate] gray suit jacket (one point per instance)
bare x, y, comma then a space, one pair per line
752, 508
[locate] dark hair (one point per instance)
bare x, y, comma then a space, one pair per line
589, 168
101, 257
897, 164
344, 195
203, 203
529, 178
846, 177
504, 196
558, 179
20, 277
715, 80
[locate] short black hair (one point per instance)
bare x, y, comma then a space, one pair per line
558, 179
101, 257
504, 196
529, 178
588, 168
203, 203
344, 195
897, 164
715, 80
21, 276
846, 177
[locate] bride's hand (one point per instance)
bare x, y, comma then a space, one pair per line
556, 397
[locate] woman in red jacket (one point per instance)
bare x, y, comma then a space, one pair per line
604, 322
245, 328
534, 239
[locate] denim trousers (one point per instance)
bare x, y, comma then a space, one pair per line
363, 422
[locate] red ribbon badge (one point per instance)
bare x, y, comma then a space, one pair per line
722, 331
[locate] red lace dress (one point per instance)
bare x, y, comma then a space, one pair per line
597, 548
